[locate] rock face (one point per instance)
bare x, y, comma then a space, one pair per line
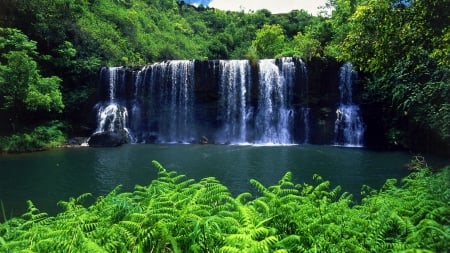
109, 139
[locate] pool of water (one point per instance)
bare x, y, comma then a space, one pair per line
49, 176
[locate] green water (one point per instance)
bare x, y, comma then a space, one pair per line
50, 176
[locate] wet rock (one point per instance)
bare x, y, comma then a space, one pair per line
109, 139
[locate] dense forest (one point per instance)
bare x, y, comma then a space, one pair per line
51, 52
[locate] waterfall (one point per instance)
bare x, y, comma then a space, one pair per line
112, 116
349, 127
234, 84
176, 107
305, 110
305, 123
274, 114
169, 100
225, 101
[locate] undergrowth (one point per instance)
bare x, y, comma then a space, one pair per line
42, 137
177, 214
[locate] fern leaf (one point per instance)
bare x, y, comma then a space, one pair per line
242, 197
261, 206
229, 249
157, 165
259, 186
269, 242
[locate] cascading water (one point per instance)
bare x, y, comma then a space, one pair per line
304, 116
225, 101
111, 115
234, 84
166, 91
305, 110
176, 97
349, 127
274, 114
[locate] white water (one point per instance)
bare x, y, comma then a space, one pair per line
273, 115
158, 103
349, 127
112, 116
234, 83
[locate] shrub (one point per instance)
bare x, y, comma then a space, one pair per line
42, 137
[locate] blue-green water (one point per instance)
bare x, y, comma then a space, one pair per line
50, 176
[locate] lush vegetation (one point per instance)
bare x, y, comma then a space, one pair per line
176, 214
405, 47
401, 46
26, 96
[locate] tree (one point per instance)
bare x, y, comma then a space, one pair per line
306, 46
22, 88
404, 46
269, 41
342, 10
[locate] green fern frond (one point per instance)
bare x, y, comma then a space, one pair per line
286, 178
346, 197
259, 186
281, 251
317, 178
237, 239
241, 198
91, 246
268, 243
229, 249
428, 224
259, 231
80, 199
185, 184
323, 186
289, 242
246, 216
261, 206
389, 185
157, 165
131, 226
333, 194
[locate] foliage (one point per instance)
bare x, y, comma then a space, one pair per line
403, 45
269, 41
22, 88
42, 137
176, 214
73, 39
306, 46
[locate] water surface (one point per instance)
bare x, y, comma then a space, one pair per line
50, 176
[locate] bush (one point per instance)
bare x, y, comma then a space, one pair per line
42, 137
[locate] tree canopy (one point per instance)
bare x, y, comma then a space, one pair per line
21, 85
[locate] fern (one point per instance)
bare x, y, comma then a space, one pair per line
177, 214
